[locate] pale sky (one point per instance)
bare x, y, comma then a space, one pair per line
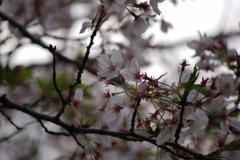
187, 18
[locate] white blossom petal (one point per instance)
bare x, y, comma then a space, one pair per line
116, 59
110, 66
139, 25
78, 95
85, 26
132, 73
234, 122
114, 6
103, 61
112, 75
224, 126
164, 136
193, 44
155, 8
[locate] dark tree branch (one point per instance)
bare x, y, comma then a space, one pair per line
60, 133
64, 38
123, 135
180, 124
76, 140
10, 120
134, 116
53, 51
3, 139
85, 58
82, 66
38, 41
185, 41
51, 132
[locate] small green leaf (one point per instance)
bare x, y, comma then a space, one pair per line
203, 90
192, 79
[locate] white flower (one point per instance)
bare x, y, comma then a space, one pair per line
203, 44
140, 24
114, 5
229, 121
154, 4
216, 105
165, 26
132, 73
198, 121
227, 83
78, 97
164, 136
113, 109
78, 94
110, 67
85, 26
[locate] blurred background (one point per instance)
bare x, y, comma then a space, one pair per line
159, 50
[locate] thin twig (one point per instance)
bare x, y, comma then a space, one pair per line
51, 132
53, 51
83, 64
134, 116
85, 58
3, 139
77, 130
180, 124
76, 140
10, 120
33, 38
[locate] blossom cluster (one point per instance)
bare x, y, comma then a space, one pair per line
166, 100
118, 103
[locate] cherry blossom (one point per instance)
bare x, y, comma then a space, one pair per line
132, 73
227, 83
228, 121
216, 105
140, 25
165, 26
110, 66
168, 133
154, 4
113, 109
198, 121
78, 97
164, 136
114, 5
85, 26
133, 103
200, 45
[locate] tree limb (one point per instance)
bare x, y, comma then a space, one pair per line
123, 135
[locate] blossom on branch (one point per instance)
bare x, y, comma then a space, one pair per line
154, 4
165, 26
228, 121
197, 120
85, 26
78, 97
114, 5
110, 66
200, 45
164, 136
140, 25
113, 109
132, 73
